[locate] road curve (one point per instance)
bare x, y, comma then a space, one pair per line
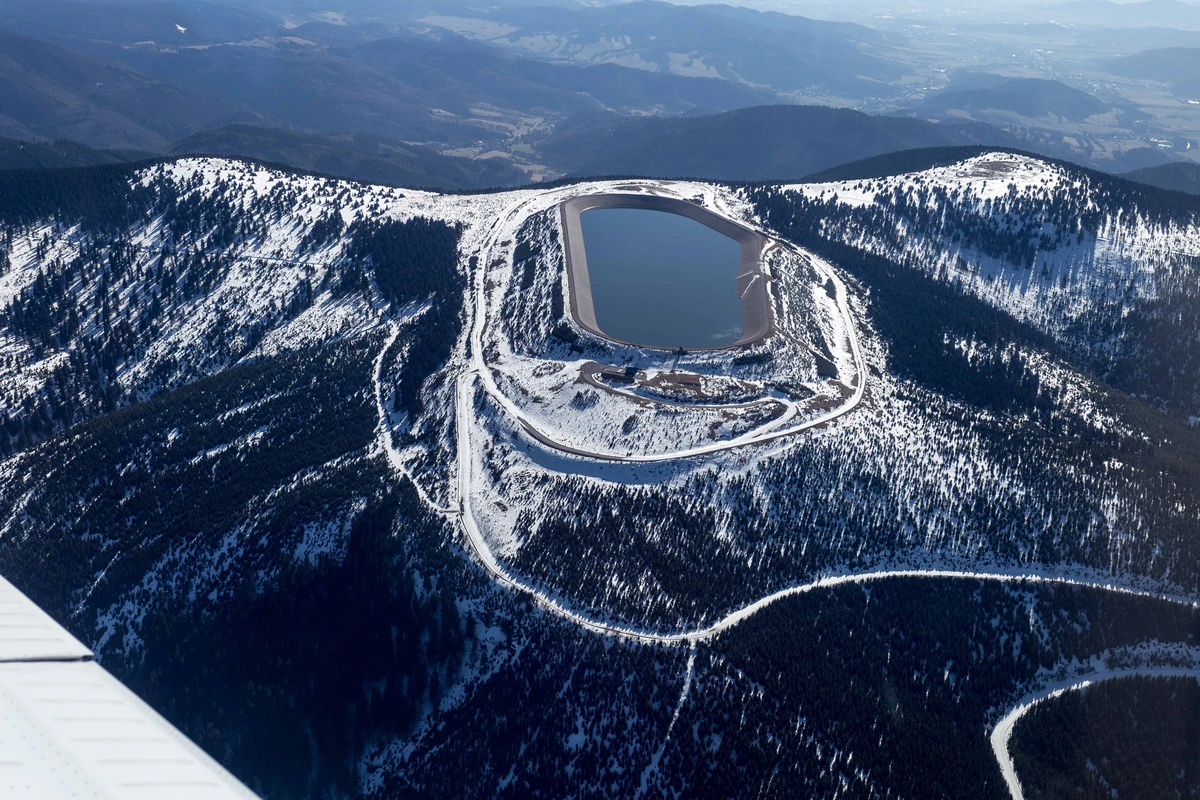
483, 552
1002, 733
383, 431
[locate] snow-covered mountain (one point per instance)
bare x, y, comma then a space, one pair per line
1105, 267
330, 475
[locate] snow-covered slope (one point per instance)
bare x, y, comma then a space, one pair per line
1107, 268
226, 263
281, 424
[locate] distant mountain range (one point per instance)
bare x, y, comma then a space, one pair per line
52, 93
18, 154
1179, 177
759, 143
784, 52
762, 143
453, 92
361, 156
176, 23
524, 94
981, 96
461, 72
1164, 13
1177, 66
781, 143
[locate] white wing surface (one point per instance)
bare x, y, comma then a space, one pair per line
68, 729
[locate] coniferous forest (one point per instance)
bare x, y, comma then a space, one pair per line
1129, 737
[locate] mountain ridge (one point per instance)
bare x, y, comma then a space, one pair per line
361, 157
1180, 177
758, 143
51, 93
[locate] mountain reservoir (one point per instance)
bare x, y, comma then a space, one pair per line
663, 273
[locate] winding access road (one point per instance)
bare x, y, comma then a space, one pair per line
1002, 733
477, 371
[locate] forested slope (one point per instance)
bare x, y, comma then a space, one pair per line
357, 157
981, 445
118, 285
1105, 267
221, 379
192, 483
1177, 177
1125, 737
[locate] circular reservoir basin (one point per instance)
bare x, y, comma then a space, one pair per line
663, 273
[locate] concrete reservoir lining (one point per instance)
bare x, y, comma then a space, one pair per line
751, 287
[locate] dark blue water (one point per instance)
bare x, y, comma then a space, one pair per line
661, 279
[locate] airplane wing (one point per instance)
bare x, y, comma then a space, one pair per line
68, 729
